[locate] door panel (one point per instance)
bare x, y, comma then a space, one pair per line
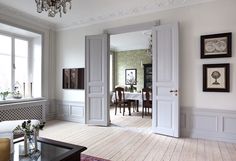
165, 120
97, 80
165, 80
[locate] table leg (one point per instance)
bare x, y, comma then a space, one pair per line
137, 103
129, 107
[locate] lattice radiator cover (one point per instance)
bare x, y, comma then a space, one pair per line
23, 111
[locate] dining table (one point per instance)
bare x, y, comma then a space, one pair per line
136, 97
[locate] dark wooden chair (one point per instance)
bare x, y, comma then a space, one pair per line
121, 101
147, 101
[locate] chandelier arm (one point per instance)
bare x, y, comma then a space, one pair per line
53, 6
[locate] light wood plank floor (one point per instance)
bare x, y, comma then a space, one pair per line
130, 138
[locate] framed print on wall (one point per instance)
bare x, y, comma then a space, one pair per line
130, 76
66, 78
73, 78
216, 77
216, 46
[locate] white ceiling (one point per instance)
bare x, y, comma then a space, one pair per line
130, 41
86, 12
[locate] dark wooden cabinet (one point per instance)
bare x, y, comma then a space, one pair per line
147, 75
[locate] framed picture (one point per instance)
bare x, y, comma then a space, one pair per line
73, 78
66, 78
216, 46
130, 76
216, 77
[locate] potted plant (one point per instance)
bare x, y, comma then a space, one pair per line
4, 94
31, 133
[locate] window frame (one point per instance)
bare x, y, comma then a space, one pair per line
14, 36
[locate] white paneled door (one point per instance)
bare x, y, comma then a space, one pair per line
97, 80
165, 80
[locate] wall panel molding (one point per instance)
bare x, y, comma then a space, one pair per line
210, 124
70, 111
50, 109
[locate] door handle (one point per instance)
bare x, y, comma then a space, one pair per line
174, 91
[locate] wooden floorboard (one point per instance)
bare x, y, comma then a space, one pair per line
224, 152
231, 151
178, 150
129, 138
201, 155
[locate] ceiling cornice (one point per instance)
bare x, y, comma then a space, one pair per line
150, 6
155, 6
6, 12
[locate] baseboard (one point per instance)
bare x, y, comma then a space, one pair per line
79, 120
210, 124
51, 116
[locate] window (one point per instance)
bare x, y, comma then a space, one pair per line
18, 65
21, 61
13, 62
5, 62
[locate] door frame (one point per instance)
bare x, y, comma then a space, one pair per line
132, 28
127, 29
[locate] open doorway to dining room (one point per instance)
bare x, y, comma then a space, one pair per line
131, 71
165, 75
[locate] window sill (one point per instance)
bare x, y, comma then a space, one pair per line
12, 100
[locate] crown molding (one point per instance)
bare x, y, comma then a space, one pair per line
150, 7
13, 16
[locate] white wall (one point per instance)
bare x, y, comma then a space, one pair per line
213, 17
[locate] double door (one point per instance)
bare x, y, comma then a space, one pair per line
165, 116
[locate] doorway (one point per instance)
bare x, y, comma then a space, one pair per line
165, 99
130, 69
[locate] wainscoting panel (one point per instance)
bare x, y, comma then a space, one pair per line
229, 125
70, 111
201, 122
208, 124
51, 109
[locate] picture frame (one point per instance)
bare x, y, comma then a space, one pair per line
66, 78
73, 78
130, 76
216, 77
216, 45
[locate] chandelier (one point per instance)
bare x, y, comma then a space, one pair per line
149, 39
149, 50
52, 6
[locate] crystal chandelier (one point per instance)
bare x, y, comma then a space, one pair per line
52, 6
149, 50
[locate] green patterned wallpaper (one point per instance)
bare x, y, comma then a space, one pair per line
132, 59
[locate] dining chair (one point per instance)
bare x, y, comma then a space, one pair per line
121, 101
147, 101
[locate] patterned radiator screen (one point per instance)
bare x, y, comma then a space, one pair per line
23, 111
